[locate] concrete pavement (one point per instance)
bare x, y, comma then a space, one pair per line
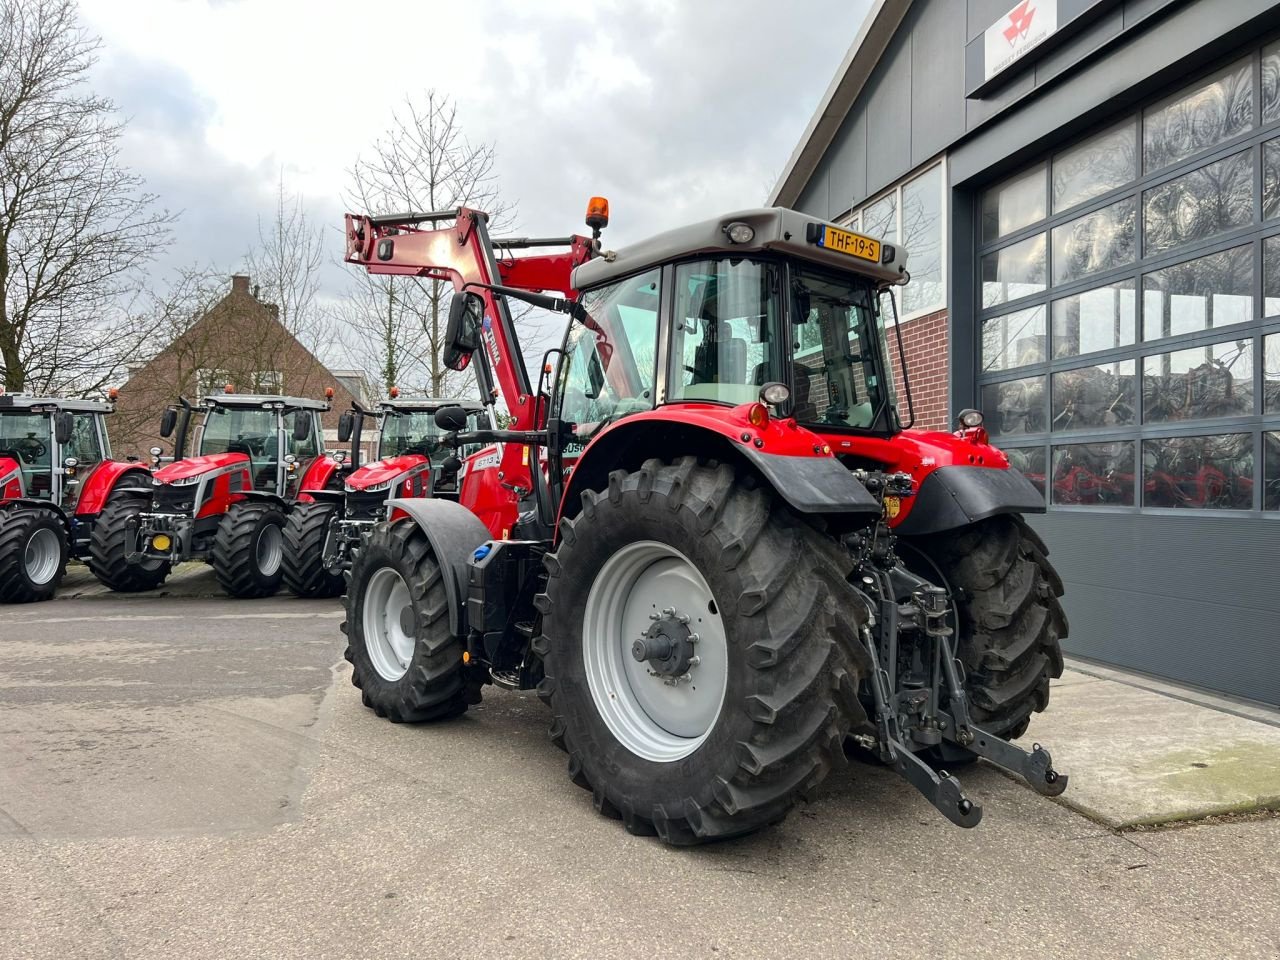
196, 778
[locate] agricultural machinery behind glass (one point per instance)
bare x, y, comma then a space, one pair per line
257, 456
321, 537
59, 491
749, 563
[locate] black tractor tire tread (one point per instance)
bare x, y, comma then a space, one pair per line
16, 526
1011, 618
437, 686
797, 623
106, 559
233, 549
302, 568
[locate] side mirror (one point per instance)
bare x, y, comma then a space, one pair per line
168, 420
451, 465
62, 428
462, 334
451, 418
301, 425
346, 425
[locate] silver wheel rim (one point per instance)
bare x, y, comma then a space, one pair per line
653, 718
41, 556
388, 611
270, 550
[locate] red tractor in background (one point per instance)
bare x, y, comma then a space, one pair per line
59, 490
256, 457
410, 460
752, 560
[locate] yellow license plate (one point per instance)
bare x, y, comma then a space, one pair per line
853, 244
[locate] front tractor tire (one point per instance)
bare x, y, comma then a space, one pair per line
718, 737
1010, 621
304, 538
405, 662
248, 549
33, 554
108, 550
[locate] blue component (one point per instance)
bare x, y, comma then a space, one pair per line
482, 551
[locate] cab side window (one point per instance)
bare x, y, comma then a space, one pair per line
85, 444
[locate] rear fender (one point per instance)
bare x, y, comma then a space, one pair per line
454, 533
105, 479
319, 475
789, 458
35, 504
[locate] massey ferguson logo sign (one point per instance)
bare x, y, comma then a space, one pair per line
1019, 32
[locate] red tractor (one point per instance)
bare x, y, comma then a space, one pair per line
257, 456
752, 561
59, 491
410, 461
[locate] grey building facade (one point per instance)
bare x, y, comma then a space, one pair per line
1090, 189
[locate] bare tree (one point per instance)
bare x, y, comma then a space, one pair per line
423, 162
75, 224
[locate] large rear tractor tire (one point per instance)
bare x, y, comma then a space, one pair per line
248, 549
405, 662
304, 537
1010, 619
33, 554
701, 652
109, 544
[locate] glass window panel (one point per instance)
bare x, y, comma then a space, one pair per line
1271, 471
1271, 276
1209, 113
1102, 240
1211, 291
922, 236
880, 219
1014, 204
1094, 166
1199, 382
1014, 339
1101, 396
1093, 474
1028, 461
1013, 272
1200, 204
1098, 319
1271, 373
1271, 82
1015, 406
1201, 472
1270, 179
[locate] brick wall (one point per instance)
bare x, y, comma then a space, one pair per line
924, 341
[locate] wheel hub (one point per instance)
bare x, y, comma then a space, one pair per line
667, 646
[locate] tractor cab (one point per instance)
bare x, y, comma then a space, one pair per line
409, 427
49, 446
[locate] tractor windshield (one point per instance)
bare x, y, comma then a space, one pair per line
28, 438
417, 432
248, 430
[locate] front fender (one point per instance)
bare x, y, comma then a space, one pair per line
956, 496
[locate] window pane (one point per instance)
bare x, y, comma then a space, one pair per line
880, 219
1016, 271
1207, 472
1094, 166
1094, 320
1271, 374
1271, 82
1271, 471
1093, 473
1028, 461
922, 236
1014, 204
1200, 382
1271, 276
1101, 396
1015, 406
1101, 240
1214, 110
1212, 291
1200, 204
1270, 179
1013, 340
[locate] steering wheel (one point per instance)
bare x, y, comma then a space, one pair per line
29, 448
257, 444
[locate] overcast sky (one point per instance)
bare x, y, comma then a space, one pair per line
673, 110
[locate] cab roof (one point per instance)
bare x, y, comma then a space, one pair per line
22, 401
259, 400
425, 404
777, 230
